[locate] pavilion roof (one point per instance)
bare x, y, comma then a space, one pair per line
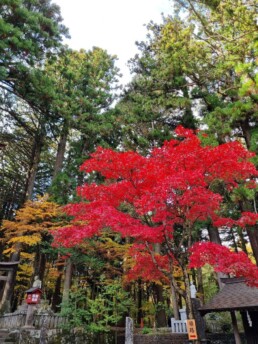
235, 295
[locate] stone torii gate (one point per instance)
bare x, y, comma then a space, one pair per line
10, 268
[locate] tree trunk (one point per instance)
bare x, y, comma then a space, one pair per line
67, 281
139, 302
174, 302
40, 264
242, 241
253, 236
251, 231
61, 149
214, 235
200, 289
188, 301
56, 298
161, 320
246, 132
160, 314
85, 144
34, 163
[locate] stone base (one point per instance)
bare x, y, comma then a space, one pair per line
28, 327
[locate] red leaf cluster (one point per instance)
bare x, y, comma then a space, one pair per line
144, 267
224, 260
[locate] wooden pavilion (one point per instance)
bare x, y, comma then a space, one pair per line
236, 295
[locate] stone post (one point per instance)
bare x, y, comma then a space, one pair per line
129, 330
30, 316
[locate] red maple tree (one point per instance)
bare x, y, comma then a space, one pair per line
159, 200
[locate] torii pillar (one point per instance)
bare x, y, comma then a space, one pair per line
10, 268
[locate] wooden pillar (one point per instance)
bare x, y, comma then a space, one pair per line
250, 323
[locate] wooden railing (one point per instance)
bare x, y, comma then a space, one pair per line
17, 320
178, 326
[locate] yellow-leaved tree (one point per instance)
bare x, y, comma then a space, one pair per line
23, 238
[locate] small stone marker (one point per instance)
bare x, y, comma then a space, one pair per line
30, 316
129, 330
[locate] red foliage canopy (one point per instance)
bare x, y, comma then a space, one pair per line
145, 197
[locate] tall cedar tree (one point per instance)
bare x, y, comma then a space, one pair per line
30, 31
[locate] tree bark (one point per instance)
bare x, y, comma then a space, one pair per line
61, 149
56, 298
161, 320
34, 163
160, 314
40, 264
174, 302
214, 235
246, 132
251, 231
253, 236
139, 302
67, 281
188, 301
200, 289
242, 241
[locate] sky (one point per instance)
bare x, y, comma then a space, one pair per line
114, 25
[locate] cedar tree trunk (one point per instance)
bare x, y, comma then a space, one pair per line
61, 149
67, 281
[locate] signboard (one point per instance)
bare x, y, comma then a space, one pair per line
191, 329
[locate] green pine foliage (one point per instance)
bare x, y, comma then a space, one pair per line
97, 315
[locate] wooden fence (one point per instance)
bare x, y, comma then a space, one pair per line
178, 326
17, 320
9, 321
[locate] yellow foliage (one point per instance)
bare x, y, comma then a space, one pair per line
27, 256
32, 223
26, 268
23, 277
51, 277
177, 272
26, 239
9, 250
